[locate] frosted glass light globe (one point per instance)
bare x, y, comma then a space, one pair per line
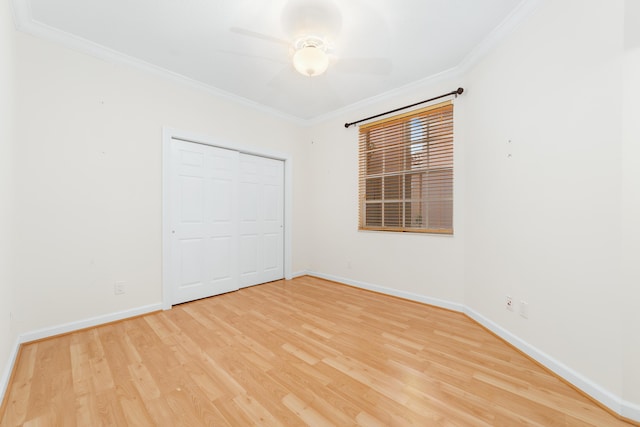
311, 61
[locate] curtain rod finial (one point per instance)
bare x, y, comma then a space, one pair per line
459, 91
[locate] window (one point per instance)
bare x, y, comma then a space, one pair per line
406, 172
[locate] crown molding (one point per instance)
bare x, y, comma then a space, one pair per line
499, 33
24, 22
412, 87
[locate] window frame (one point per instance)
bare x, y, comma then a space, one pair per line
435, 180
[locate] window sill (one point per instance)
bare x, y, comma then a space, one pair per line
407, 230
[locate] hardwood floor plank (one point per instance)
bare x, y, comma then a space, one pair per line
290, 353
85, 408
257, 413
160, 412
143, 380
233, 415
306, 413
301, 380
365, 419
15, 411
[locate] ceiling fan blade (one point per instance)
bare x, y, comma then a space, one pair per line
375, 66
258, 35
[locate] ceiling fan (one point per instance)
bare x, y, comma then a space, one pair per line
312, 27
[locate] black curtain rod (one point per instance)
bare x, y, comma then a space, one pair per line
454, 92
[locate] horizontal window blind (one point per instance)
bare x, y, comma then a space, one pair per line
406, 172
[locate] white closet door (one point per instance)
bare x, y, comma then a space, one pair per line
261, 193
204, 243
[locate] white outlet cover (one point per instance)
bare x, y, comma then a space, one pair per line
509, 303
118, 288
524, 309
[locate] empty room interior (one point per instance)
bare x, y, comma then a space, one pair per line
221, 212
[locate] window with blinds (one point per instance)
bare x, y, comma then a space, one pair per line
406, 172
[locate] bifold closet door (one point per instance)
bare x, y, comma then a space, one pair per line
204, 216
261, 211
227, 219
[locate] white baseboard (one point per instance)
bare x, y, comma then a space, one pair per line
630, 411
8, 369
598, 393
389, 291
87, 323
614, 403
299, 274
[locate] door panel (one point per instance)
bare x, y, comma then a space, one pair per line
261, 220
220, 248
204, 229
226, 220
249, 246
272, 247
192, 191
191, 262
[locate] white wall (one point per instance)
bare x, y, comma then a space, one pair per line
543, 225
631, 204
88, 178
7, 332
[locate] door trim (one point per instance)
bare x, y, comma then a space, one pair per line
170, 133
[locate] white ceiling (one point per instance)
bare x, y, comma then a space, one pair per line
377, 45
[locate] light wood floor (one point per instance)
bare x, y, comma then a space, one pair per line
289, 353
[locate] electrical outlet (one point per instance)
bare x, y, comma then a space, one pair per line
524, 309
118, 288
509, 303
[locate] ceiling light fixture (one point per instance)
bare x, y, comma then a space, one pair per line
310, 57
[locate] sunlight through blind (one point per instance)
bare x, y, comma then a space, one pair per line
406, 172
